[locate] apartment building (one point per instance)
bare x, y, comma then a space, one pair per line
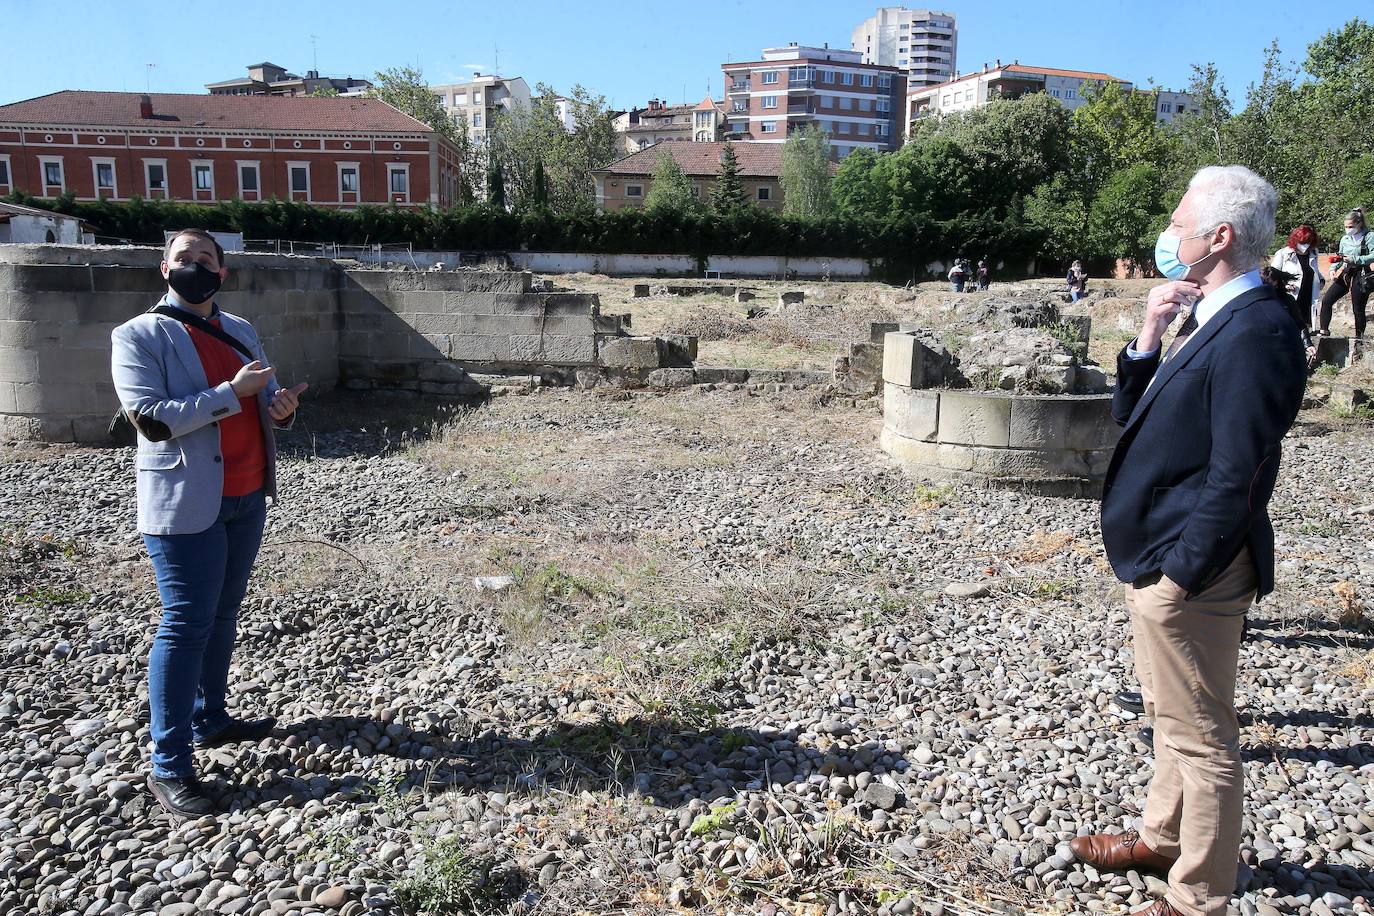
641, 128
269, 79
1010, 81
859, 105
924, 44
1171, 105
340, 152
481, 98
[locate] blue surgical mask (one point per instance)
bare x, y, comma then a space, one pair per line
1166, 255
1354, 232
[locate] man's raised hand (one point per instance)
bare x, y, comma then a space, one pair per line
285, 402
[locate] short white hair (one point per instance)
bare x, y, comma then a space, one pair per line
1235, 195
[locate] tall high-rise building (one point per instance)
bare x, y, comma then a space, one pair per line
923, 44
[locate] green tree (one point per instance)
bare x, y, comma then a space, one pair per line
1127, 214
1114, 130
524, 136
805, 175
672, 190
727, 195
471, 162
404, 88
540, 197
496, 185
1058, 210
323, 92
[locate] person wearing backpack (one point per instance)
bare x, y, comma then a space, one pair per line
1354, 275
194, 382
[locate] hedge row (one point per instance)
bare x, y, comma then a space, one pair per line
899, 245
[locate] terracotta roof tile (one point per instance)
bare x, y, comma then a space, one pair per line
221, 112
756, 160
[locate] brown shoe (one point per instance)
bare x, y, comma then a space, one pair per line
1160, 907
1119, 852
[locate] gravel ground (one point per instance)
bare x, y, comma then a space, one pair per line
743, 665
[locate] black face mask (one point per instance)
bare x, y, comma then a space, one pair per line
194, 283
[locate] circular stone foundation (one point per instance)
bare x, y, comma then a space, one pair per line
1056, 445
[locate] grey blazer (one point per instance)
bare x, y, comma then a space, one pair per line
159, 378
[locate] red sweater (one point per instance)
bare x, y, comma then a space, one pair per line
240, 436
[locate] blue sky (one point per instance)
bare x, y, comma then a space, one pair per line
626, 51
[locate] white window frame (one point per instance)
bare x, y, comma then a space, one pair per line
148, 181
769, 127
96, 163
476, 120
770, 101
196, 189
256, 166
391, 169
9, 172
884, 106
847, 78
477, 96
634, 190
291, 184
885, 81
43, 162
460, 98
866, 80
764, 192
770, 78
357, 178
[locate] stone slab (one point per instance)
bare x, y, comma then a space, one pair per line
910, 412
974, 419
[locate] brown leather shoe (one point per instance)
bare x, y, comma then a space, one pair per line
1119, 852
1160, 907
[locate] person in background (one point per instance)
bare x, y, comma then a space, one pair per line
193, 380
1299, 260
984, 275
1078, 281
957, 275
1282, 283
1354, 257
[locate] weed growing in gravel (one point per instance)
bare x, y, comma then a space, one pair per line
43, 596
1327, 371
449, 880
931, 496
718, 818
1350, 609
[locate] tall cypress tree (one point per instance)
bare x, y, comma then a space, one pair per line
496, 185
540, 195
728, 194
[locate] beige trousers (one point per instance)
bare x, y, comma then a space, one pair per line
1186, 653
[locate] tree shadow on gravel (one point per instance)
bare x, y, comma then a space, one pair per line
656, 757
1356, 755
1320, 717
1315, 633
1290, 878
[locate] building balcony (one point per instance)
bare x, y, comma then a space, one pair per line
739, 86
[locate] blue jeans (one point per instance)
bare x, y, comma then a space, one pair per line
202, 579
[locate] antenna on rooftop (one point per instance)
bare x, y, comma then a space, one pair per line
495, 61
148, 77
314, 53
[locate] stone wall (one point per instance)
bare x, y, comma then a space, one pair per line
58, 306
420, 331
1052, 444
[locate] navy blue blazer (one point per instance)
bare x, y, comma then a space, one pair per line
1189, 484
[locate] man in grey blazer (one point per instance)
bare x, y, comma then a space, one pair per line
206, 465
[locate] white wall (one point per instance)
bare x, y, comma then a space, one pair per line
25, 229
648, 265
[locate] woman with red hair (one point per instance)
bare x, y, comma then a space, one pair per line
1298, 259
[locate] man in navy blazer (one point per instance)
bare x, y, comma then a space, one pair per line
206, 463
1185, 522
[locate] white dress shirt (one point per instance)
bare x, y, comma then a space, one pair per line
1206, 307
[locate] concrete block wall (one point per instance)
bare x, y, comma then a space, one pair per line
407, 330
1052, 444
398, 326
58, 306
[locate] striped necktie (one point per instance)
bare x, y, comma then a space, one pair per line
1181, 338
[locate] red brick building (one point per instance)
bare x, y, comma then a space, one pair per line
338, 152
